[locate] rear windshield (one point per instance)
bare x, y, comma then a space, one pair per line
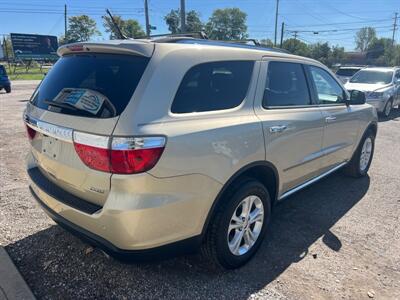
90, 85
347, 72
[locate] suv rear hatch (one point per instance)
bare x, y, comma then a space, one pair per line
81, 98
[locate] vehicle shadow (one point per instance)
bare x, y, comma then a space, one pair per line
395, 114
55, 264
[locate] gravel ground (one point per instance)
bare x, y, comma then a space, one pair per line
339, 238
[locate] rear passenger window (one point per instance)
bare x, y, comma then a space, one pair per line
286, 85
213, 86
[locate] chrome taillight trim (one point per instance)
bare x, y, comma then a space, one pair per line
98, 141
134, 143
55, 131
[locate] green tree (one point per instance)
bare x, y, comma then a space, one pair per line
296, 46
321, 52
7, 48
130, 27
193, 22
227, 24
364, 37
81, 28
378, 47
337, 55
267, 43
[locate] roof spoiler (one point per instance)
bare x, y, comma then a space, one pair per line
128, 47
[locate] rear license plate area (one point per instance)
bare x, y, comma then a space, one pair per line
51, 147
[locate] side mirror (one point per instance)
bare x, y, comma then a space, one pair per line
397, 81
356, 98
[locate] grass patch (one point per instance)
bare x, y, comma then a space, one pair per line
20, 73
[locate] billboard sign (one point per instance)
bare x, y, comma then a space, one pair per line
34, 46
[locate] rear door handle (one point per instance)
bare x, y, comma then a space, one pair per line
277, 128
330, 119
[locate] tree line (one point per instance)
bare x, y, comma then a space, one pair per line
230, 24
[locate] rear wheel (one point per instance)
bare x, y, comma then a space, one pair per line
238, 227
362, 158
8, 89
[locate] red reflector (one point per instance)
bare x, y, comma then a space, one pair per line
31, 132
134, 161
75, 47
93, 157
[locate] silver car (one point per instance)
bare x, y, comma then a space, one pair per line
381, 86
149, 147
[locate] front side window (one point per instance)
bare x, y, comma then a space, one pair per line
328, 90
285, 85
213, 86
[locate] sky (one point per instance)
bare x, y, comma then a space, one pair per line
336, 21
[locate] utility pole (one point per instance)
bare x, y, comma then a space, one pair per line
295, 34
276, 20
146, 13
282, 31
183, 17
394, 28
65, 21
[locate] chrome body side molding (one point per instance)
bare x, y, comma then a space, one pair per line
311, 181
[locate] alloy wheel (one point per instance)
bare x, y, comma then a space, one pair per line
245, 225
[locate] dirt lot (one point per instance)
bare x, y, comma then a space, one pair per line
337, 239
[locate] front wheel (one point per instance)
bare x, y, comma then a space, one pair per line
8, 89
362, 158
388, 108
238, 227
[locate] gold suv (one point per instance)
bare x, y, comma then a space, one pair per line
152, 147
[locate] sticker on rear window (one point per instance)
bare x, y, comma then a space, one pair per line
83, 99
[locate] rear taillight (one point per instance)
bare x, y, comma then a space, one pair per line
120, 155
30, 132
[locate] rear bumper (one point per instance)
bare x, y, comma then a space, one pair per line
4, 84
181, 247
142, 214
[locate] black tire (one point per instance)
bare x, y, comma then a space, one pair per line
8, 89
353, 168
215, 247
390, 102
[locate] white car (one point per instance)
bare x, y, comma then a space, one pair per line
381, 87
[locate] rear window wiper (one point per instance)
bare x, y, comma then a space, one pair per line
62, 105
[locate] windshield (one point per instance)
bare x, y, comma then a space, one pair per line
372, 77
347, 72
90, 85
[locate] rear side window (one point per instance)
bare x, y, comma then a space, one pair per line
90, 85
213, 86
286, 85
2, 71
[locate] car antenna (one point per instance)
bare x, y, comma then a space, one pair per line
121, 35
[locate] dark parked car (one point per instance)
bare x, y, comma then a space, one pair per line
4, 81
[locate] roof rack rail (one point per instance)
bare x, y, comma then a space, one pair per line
245, 41
195, 34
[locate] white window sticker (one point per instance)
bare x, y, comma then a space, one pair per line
83, 99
